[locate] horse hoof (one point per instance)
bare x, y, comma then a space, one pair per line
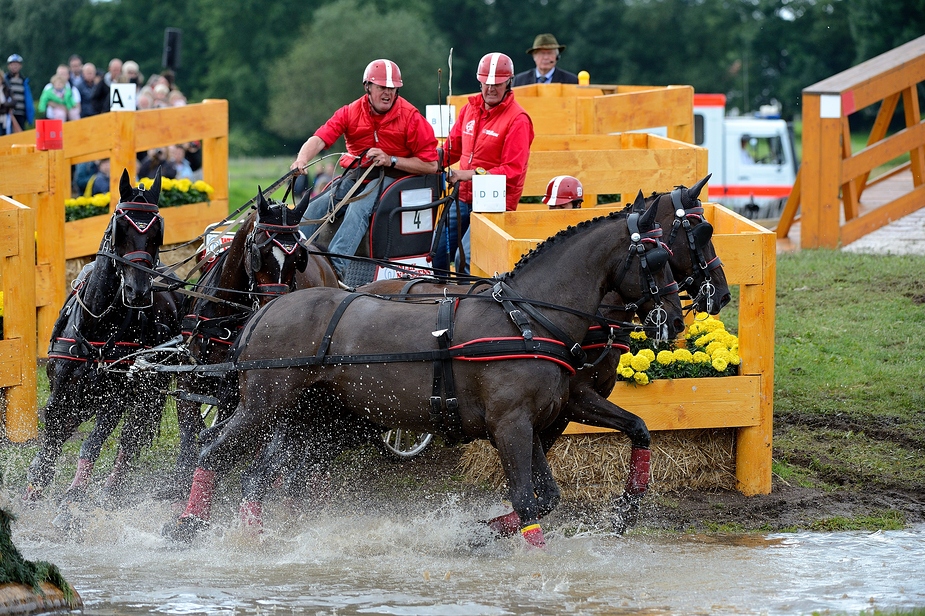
184, 529
626, 513
533, 535
32, 495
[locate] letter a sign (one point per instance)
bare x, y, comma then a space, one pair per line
122, 97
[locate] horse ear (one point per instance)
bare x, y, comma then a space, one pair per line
155, 189
639, 205
263, 208
693, 193
125, 187
301, 206
647, 221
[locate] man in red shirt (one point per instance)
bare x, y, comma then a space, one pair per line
386, 131
492, 135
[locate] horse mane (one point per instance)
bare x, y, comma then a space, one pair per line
569, 231
233, 267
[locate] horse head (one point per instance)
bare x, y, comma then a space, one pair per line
655, 286
693, 261
274, 250
134, 239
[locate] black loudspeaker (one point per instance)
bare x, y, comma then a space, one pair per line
171, 57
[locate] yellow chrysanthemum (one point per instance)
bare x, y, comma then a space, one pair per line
665, 358
626, 372
638, 335
640, 363
641, 378
648, 354
719, 364
100, 200
625, 359
683, 355
203, 187
700, 357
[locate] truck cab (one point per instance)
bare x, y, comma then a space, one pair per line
752, 158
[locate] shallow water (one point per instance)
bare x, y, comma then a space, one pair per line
424, 562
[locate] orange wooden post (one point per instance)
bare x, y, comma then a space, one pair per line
215, 155
123, 153
821, 170
50, 273
756, 343
913, 117
17, 349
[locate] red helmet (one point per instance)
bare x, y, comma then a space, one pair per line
495, 68
383, 73
562, 189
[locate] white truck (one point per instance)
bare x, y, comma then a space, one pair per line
752, 158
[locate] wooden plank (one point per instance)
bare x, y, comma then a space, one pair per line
913, 119
901, 142
24, 173
644, 109
93, 135
11, 362
155, 128
894, 210
741, 257
552, 143
9, 244
681, 404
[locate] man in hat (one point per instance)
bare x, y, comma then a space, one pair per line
545, 51
24, 106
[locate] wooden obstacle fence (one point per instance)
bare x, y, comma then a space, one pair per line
744, 402
118, 136
832, 179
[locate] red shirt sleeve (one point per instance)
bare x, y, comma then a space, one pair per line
334, 127
453, 144
421, 138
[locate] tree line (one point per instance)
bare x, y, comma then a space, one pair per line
285, 66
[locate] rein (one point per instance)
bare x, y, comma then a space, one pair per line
681, 222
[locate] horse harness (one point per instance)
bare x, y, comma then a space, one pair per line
682, 221
141, 215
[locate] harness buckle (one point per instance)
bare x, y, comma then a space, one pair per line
452, 404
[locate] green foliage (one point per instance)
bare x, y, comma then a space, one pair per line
885, 520
315, 78
16, 569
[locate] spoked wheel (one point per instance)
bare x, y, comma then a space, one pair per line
404, 444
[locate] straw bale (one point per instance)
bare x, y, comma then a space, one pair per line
593, 467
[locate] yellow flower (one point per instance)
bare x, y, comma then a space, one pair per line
183, 184
640, 362
665, 357
625, 359
626, 372
1, 303
203, 187
719, 364
700, 357
683, 355
100, 200
647, 353
638, 335
641, 378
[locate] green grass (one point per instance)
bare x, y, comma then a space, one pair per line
245, 175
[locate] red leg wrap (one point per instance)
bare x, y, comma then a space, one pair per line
200, 496
533, 534
505, 525
82, 476
638, 481
118, 469
252, 514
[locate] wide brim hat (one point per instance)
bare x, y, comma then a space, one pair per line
545, 41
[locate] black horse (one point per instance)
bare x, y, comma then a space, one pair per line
499, 363
261, 263
113, 313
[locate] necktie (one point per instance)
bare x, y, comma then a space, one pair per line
544, 79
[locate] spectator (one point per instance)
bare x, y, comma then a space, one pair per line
161, 92
545, 51
563, 193
176, 99
149, 164
381, 129
21, 92
114, 74
146, 98
323, 178
193, 153
99, 183
6, 109
499, 146
131, 73
177, 163
75, 70
57, 99
83, 174
93, 92
72, 112
745, 155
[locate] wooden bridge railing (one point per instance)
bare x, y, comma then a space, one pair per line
832, 179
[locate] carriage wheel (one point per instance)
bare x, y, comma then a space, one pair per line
404, 444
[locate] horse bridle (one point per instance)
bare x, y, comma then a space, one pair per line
261, 236
682, 221
142, 259
658, 316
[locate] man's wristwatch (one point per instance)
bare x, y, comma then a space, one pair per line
394, 162
480, 171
